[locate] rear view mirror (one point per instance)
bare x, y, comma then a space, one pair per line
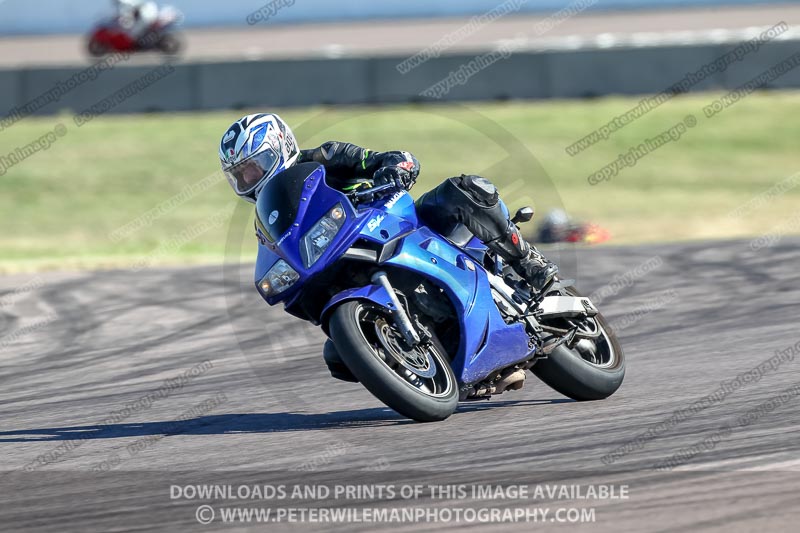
524, 214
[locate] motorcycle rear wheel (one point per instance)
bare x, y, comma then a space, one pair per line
416, 382
585, 372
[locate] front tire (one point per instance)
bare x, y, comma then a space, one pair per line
585, 372
170, 44
96, 48
417, 383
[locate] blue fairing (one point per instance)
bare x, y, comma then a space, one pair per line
486, 344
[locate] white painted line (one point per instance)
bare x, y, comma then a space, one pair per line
642, 39
786, 466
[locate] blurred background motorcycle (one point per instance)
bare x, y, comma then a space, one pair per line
137, 27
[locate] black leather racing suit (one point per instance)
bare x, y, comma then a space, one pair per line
347, 165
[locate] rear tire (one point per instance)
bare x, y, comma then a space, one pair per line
356, 328
568, 372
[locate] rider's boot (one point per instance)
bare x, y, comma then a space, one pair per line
524, 258
335, 364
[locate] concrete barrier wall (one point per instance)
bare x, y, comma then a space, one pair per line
522, 75
769, 55
284, 83
633, 71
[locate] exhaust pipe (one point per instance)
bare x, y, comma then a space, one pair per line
513, 381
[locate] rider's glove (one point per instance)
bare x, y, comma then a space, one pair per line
395, 175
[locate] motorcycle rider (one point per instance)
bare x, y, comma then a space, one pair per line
257, 147
136, 16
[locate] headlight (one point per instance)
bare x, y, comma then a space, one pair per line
278, 278
321, 234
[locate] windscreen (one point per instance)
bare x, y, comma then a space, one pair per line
278, 201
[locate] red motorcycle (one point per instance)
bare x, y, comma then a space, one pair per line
110, 36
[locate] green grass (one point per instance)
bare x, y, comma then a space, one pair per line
60, 206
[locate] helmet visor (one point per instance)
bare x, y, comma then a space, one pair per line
245, 176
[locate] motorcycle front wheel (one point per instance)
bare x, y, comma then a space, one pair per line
170, 44
96, 48
417, 382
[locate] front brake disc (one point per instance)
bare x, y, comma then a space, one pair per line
417, 360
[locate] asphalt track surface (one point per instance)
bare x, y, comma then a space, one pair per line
81, 351
375, 38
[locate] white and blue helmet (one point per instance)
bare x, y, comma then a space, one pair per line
254, 149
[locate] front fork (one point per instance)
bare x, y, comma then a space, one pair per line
402, 319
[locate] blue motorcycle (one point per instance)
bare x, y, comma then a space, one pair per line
422, 320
